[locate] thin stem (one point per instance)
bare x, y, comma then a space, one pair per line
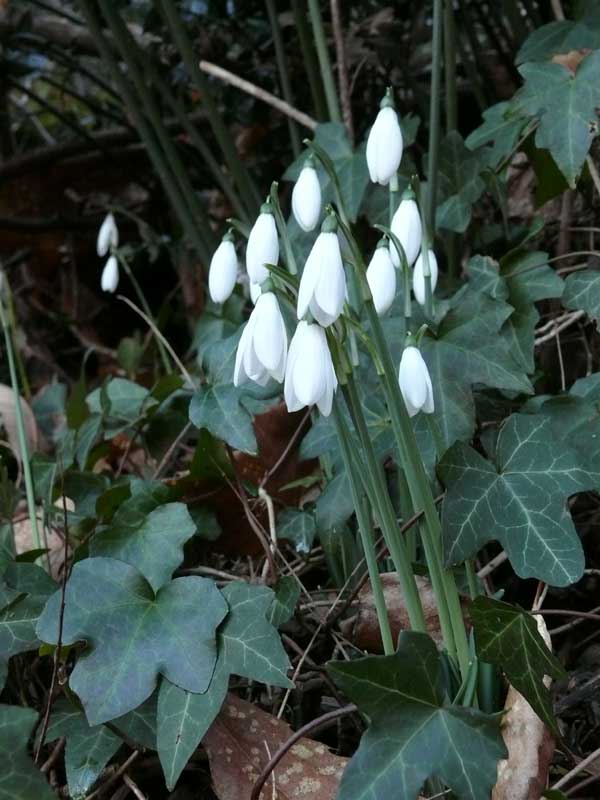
450, 66
284, 78
283, 231
309, 58
365, 528
316, 19
434, 113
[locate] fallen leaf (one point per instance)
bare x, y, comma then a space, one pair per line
8, 417
242, 740
572, 59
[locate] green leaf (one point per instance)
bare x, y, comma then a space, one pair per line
565, 105
24, 590
19, 777
134, 635
413, 734
499, 128
562, 36
460, 184
520, 501
582, 291
298, 527
153, 544
88, 748
507, 636
287, 593
334, 506
139, 726
126, 401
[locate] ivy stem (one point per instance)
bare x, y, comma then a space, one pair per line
365, 528
385, 511
434, 112
316, 19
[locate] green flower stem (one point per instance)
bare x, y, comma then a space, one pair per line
380, 500
221, 132
472, 579
309, 58
283, 231
434, 113
14, 382
331, 97
365, 528
450, 66
284, 78
393, 196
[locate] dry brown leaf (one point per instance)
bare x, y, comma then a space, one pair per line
572, 59
8, 417
242, 740
523, 775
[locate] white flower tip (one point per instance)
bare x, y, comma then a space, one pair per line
108, 235
110, 275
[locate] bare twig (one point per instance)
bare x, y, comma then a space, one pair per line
121, 771
567, 321
132, 785
578, 768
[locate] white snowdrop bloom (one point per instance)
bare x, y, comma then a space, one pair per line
322, 288
255, 292
384, 145
263, 245
415, 382
262, 349
406, 225
222, 273
108, 235
110, 275
306, 198
309, 377
381, 277
419, 278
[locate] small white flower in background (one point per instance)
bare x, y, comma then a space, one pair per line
108, 235
255, 292
306, 197
322, 289
406, 225
309, 377
263, 245
419, 276
381, 277
222, 273
110, 275
262, 349
415, 382
384, 145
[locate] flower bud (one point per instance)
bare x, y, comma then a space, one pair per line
322, 288
419, 277
306, 198
263, 245
381, 277
384, 145
406, 225
108, 235
262, 349
309, 377
415, 382
110, 275
222, 273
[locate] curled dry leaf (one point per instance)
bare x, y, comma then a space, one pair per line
363, 628
242, 740
530, 745
8, 417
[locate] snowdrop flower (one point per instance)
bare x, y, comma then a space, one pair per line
222, 273
406, 225
306, 197
419, 277
310, 376
263, 245
262, 349
415, 382
384, 145
381, 277
322, 288
108, 235
255, 292
110, 275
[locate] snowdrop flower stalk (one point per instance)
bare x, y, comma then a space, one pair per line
384, 145
108, 240
263, 245
322, 288
425, 268
310, 376
262, 349
406, 226
381, 277
306, 197
222, 273
415, 381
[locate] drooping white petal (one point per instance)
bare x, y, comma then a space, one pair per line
255, 291
263, 247
306, 199
270, 338
310, 376
384, 146
222, 273
323, 283
419, 278
415, 382
108, 235
381, 277
406, 225
110, 275
239, 373
296, 349
310, 276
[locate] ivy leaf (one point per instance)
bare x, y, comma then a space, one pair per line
153, 544
249, 646
520, 501
298, 527
139, 726
88, 748
459, 182
413, 735
507, 636
287, 593
499, 128
565, 105
582, 291
133, 634
23, 593
562, 36
19, 777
